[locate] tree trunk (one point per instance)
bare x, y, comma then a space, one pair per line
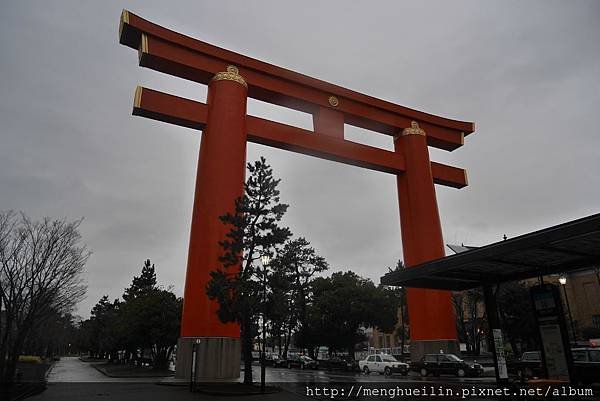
402, 330
288, 339
246, 334
513, 345
161, 360
351, 351
472, 338
5, 344
285, 346
478, 344
11, 362
279, 344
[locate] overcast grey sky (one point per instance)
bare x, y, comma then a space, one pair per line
528, 74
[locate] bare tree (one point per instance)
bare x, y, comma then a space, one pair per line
40, 272
470, 318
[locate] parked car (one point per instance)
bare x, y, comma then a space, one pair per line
449, 364
586, 363
529, 365
279, 363
404, 357
383, 364
271, 359
300, 362
338, 363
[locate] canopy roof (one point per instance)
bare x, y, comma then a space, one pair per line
559, 249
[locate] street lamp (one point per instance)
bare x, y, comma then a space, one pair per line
265, 259
562, 279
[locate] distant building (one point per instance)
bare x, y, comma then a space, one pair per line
582, 292
582, 297
389, 343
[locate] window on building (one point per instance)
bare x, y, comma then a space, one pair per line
596, 321
579, 355
531, 356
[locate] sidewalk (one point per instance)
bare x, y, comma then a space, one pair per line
142, 391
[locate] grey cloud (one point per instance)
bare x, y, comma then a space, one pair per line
527, 73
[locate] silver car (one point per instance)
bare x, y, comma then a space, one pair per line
383, 364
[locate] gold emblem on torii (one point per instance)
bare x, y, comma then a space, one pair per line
232, 74
414, 129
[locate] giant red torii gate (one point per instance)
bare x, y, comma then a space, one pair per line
231, 79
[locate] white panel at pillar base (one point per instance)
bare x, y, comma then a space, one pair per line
217, 358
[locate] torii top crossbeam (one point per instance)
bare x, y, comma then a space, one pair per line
331, 106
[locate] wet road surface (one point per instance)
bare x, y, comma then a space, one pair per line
73, 370
71, 379
283, 375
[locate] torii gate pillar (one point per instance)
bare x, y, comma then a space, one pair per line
432, 325
219, 181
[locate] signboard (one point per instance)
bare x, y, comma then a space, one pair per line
544, 303
499, 346
556, 354
556, 360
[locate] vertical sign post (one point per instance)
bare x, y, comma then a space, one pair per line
555, 350
194, 364
500, 357
498, 344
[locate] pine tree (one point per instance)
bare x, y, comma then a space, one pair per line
143, 284
254, 232
300, 263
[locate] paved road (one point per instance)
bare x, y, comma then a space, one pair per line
71, 380
143, 392
283, 375
73, 370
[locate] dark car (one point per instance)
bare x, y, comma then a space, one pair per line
300, 362
529, 365
446, 364
586, 363
338, 363
404, 357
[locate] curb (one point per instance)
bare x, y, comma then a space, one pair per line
224, 392
49, 370
31, 392
105, 373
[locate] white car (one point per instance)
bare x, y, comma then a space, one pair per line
383, 364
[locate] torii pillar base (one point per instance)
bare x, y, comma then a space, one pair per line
217, 359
